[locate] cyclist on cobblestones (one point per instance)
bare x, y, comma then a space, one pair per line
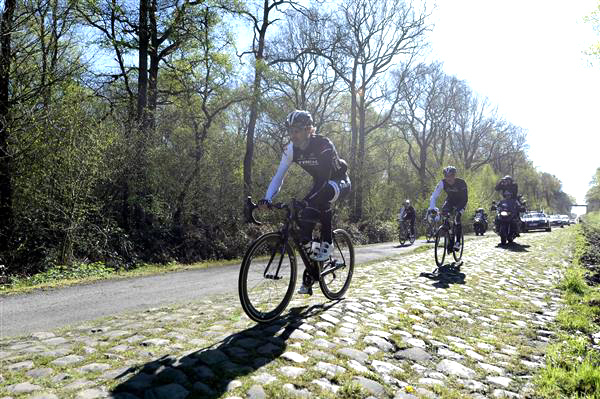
317, 155
457, 197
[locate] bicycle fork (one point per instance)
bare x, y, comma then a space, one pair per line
281, 253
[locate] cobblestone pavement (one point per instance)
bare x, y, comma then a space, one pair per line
402, 332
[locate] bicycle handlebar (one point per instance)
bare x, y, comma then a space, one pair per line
251, 206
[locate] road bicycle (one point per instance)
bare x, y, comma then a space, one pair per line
444, 240
268, 273
404, 232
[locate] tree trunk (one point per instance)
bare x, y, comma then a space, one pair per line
250, 134
143, 63
6, 189
258, 67
359, 175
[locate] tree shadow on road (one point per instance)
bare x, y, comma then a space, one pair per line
445, 275
514, 247
208, 372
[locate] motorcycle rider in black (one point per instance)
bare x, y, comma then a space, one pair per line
457, 197
481, 213
510, 191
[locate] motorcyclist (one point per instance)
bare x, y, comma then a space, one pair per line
481, 213
510, 191
408, 213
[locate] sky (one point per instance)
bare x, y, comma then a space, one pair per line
527, 57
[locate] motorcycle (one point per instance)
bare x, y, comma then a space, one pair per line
480, 225
505, 223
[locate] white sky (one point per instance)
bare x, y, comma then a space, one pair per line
526, 56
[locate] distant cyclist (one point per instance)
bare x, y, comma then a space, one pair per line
317, 155
457, 197
408, 213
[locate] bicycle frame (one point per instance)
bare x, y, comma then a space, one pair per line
288, 230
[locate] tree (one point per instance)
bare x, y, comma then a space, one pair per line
592, 196
423, 118
364, 41
6, 188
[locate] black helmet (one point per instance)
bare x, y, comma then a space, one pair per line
449, 170
298, 118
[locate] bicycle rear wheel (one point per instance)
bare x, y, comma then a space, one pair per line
458, 254
336, 273
441, 243
267, 277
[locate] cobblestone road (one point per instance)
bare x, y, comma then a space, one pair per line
479, 331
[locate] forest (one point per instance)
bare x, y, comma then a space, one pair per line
133, 130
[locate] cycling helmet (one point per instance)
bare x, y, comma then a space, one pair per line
507, 178
407, 202
479, 209
298, 118
449, 170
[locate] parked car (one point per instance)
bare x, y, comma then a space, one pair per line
555, 220
564, 219
535, 221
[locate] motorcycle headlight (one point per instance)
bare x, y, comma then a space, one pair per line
503, 213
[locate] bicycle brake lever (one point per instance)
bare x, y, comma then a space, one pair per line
249, 211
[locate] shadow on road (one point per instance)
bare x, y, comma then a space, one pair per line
207, 372
514, 247
446, 275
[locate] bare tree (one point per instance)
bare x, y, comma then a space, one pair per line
478, 131
423, 118
365, 40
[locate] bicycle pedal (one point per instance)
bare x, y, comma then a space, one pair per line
273, 277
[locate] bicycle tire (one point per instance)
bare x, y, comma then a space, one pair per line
462, 246
401, 234
441, 234
273, 242
344, 251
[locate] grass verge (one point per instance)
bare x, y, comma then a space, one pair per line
573, 360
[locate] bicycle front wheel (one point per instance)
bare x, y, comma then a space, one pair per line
401, 234
441, 243
336, 273
267, 277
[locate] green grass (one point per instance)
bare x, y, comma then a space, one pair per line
81, 273
572, 365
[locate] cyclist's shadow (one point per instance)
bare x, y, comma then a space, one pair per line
445, 275
208, 372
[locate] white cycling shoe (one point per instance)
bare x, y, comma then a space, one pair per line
305, 289
324, 252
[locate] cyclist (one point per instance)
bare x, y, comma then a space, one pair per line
317, 155
432, 215
408, 213
457, 197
